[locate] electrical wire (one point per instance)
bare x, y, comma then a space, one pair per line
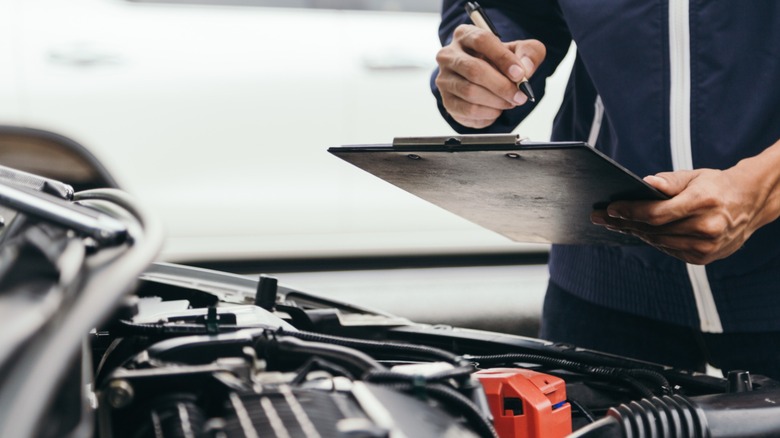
583, 410
410, 350
629, 376
124, 327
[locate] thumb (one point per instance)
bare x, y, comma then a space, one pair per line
670, 183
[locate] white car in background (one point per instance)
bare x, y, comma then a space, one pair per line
218, 116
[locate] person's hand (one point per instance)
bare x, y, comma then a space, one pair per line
710, 215
478, 74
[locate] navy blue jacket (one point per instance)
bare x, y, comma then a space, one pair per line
659, 86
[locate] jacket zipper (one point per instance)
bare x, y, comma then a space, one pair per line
680, 139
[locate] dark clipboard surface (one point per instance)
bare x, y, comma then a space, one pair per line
528, 192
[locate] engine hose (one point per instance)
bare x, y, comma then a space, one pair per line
668, 416
628, 376
346, 356
746, 414
412, 350
449, 396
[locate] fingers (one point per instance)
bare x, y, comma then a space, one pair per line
655, 213
470, 104
478, 74
708, 227
683, 203
473, 80
515, 60
692, 226
481, 58
687, 239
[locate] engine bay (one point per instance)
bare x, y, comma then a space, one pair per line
202, 353
100, 341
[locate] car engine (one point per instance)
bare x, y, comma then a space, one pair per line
100, 341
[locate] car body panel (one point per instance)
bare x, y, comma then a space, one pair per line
238, 105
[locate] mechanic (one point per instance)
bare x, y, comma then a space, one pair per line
687, 94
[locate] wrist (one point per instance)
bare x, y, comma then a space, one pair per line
763, 173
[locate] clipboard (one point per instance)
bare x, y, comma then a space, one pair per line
527, 191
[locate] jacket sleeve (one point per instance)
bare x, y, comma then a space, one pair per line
514, 20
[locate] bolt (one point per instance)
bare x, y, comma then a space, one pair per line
120, 394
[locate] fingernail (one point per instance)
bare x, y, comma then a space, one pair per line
515, 73
653, 180
598, 220
528, 66
613, 212
520, 98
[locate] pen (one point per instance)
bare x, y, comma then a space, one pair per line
481, 20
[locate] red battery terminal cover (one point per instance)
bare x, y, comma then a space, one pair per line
526, 403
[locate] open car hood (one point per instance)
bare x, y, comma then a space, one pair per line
96, 340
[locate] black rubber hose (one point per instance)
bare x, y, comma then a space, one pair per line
663, 417
626, 375
656, 417
410, 350
749, 414
349, 357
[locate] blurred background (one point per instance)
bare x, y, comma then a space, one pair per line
218, 115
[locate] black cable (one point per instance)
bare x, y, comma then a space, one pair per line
583, 410
124, 327
412, 350
470, 410
652, 376
447, 395
377, 373
621, 374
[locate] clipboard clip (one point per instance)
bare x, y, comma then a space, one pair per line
460, 140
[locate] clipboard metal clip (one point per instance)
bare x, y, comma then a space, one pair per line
460, 140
